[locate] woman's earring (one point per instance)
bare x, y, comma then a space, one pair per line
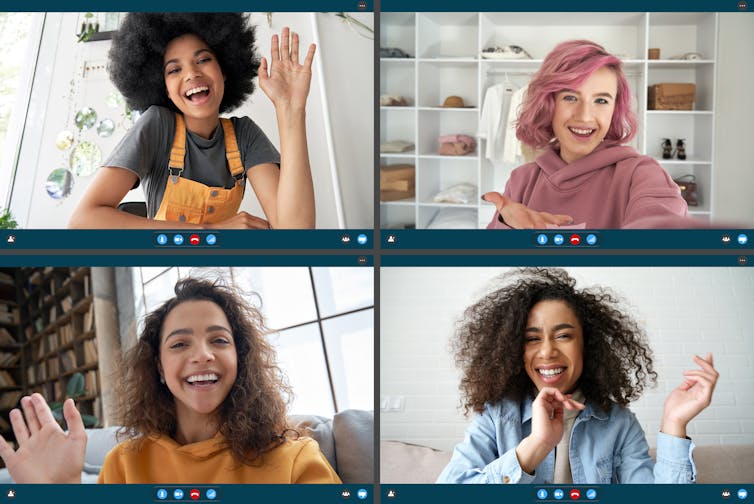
162, 379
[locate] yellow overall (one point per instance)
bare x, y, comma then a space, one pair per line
193, 202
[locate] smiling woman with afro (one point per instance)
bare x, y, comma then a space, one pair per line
182, 70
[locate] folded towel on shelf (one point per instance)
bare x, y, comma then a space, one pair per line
456, 145
462, 194
396, 146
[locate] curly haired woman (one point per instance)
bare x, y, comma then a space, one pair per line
183, 70
550, 369
577, 110
202, 401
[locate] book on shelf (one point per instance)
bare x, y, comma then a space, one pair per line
89, 318
6, 338
68, 360
53, 313
58, 389
90, 351
36, 278
6, 379
52, 341
97, 408
31, 374
86, 285
54, 368
8, 358
10, 399
66, 333
90, 383
66, 303
8, 317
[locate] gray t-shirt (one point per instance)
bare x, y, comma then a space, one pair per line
145, 150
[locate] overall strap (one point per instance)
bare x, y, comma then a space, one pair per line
231, 150
178, 151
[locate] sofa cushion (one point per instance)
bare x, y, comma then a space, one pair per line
722, 464
99, 443
410, 463
320, 429
353, 431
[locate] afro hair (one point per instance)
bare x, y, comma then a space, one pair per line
138, 49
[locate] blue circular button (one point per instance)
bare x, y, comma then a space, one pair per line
541, 494
211, 494
557, 239
542, 238
591, 239
362, 493
362, 239
743, 239
178, 494
162, 239
211, 239
178, 239
162, 494
558, 493
591, 494
742, 493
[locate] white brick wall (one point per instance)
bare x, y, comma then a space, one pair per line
684, 311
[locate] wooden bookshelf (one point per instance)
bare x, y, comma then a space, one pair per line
11, 350
58, 333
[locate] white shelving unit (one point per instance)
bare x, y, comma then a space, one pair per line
445, 48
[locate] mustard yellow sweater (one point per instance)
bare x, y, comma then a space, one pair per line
163, 460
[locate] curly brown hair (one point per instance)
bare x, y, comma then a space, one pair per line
252, 416
489, 341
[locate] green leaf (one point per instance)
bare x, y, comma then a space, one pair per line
89, 420
58, 414
75, 387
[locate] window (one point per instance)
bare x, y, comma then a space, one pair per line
322, 320
19, 43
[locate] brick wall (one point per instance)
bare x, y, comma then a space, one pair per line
684, 311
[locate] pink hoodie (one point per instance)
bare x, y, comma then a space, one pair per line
612, 187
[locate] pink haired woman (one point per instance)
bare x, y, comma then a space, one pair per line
577, 111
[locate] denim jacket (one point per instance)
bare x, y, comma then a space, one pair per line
605, 448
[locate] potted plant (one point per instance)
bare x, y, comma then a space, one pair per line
74, 389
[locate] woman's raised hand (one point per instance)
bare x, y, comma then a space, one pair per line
690, 397
519, 216
546, 427
547, 415
284, 80
45, 453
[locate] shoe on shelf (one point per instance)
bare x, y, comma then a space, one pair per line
680, 149
667, 149
505, 52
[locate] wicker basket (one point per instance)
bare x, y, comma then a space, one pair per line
671, 96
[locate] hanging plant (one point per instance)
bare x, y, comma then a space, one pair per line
88, 28
356, 25
353, 23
